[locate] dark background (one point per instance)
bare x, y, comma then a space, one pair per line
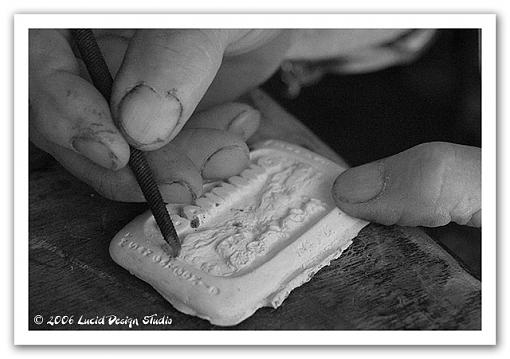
365, 117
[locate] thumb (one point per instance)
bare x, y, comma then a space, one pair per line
428, 185
164, 75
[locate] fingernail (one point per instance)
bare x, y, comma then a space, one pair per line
245, 123
226, 162
177, 192
147, 118
360, 184
96, 152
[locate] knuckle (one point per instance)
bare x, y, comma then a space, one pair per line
436, 152
426, 197
434, 160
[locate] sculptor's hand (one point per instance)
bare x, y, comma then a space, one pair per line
428, 185
161, 77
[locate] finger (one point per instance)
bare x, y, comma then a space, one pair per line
113, 47
236, 118
430, 185
66, 109
217, 154
178, 179
242, 72
163, 77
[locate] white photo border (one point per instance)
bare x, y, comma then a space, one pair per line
485, 22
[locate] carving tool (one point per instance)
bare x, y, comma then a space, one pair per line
103, 81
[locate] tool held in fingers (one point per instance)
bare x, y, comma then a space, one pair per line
103, 81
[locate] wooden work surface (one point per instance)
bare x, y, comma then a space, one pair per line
390, 277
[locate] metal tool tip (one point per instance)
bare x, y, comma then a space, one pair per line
172, 251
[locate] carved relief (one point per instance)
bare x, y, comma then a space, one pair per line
254, 226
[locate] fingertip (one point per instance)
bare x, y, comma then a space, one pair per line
107, 155
215, 153
237, 118
121, 152
178, 178
245, 124
228, 161
148, 119
177, 192
359, 184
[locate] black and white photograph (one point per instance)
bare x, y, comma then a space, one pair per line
255, 173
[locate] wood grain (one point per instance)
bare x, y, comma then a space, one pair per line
390, 278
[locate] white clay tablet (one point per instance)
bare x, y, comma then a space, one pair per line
247, 242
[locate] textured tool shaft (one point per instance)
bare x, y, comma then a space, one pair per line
94, 60
103, 81
151, 192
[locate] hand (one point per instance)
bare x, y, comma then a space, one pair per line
428, 185
162, 77
211, 146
